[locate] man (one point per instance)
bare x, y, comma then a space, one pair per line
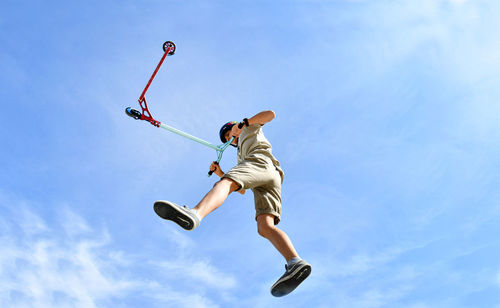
259, 170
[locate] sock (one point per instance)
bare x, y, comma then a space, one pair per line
195, 212
292, 261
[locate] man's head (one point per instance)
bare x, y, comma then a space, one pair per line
225, 131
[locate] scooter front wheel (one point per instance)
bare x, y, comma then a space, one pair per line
133, 113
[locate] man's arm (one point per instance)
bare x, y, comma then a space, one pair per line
262, 117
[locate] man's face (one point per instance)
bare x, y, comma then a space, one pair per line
228, 136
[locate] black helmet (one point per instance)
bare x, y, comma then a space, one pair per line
224, 129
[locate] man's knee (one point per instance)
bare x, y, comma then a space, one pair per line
227, 182
265, 225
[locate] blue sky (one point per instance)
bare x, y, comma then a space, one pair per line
387, 127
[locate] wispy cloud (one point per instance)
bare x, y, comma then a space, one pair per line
45, 269
69, 262
201, 271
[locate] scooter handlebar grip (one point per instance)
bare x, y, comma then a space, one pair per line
212, 171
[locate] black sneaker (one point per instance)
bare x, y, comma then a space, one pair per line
291, 279
181, 215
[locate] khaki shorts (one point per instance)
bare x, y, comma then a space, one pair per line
264, 179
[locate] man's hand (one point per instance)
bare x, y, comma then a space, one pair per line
215, 167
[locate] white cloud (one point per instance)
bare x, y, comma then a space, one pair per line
201, 271
378, 298
182, 241
43, 269
72, 223
70, 263
30, 223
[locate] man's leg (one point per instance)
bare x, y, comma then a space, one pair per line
216, 196
280, 240
297, 270
190, 219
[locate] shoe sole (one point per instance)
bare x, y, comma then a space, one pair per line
287, 285
170, 212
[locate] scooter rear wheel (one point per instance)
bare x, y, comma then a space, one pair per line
168, 44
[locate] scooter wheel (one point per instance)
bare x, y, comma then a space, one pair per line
168, 44
133, 113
